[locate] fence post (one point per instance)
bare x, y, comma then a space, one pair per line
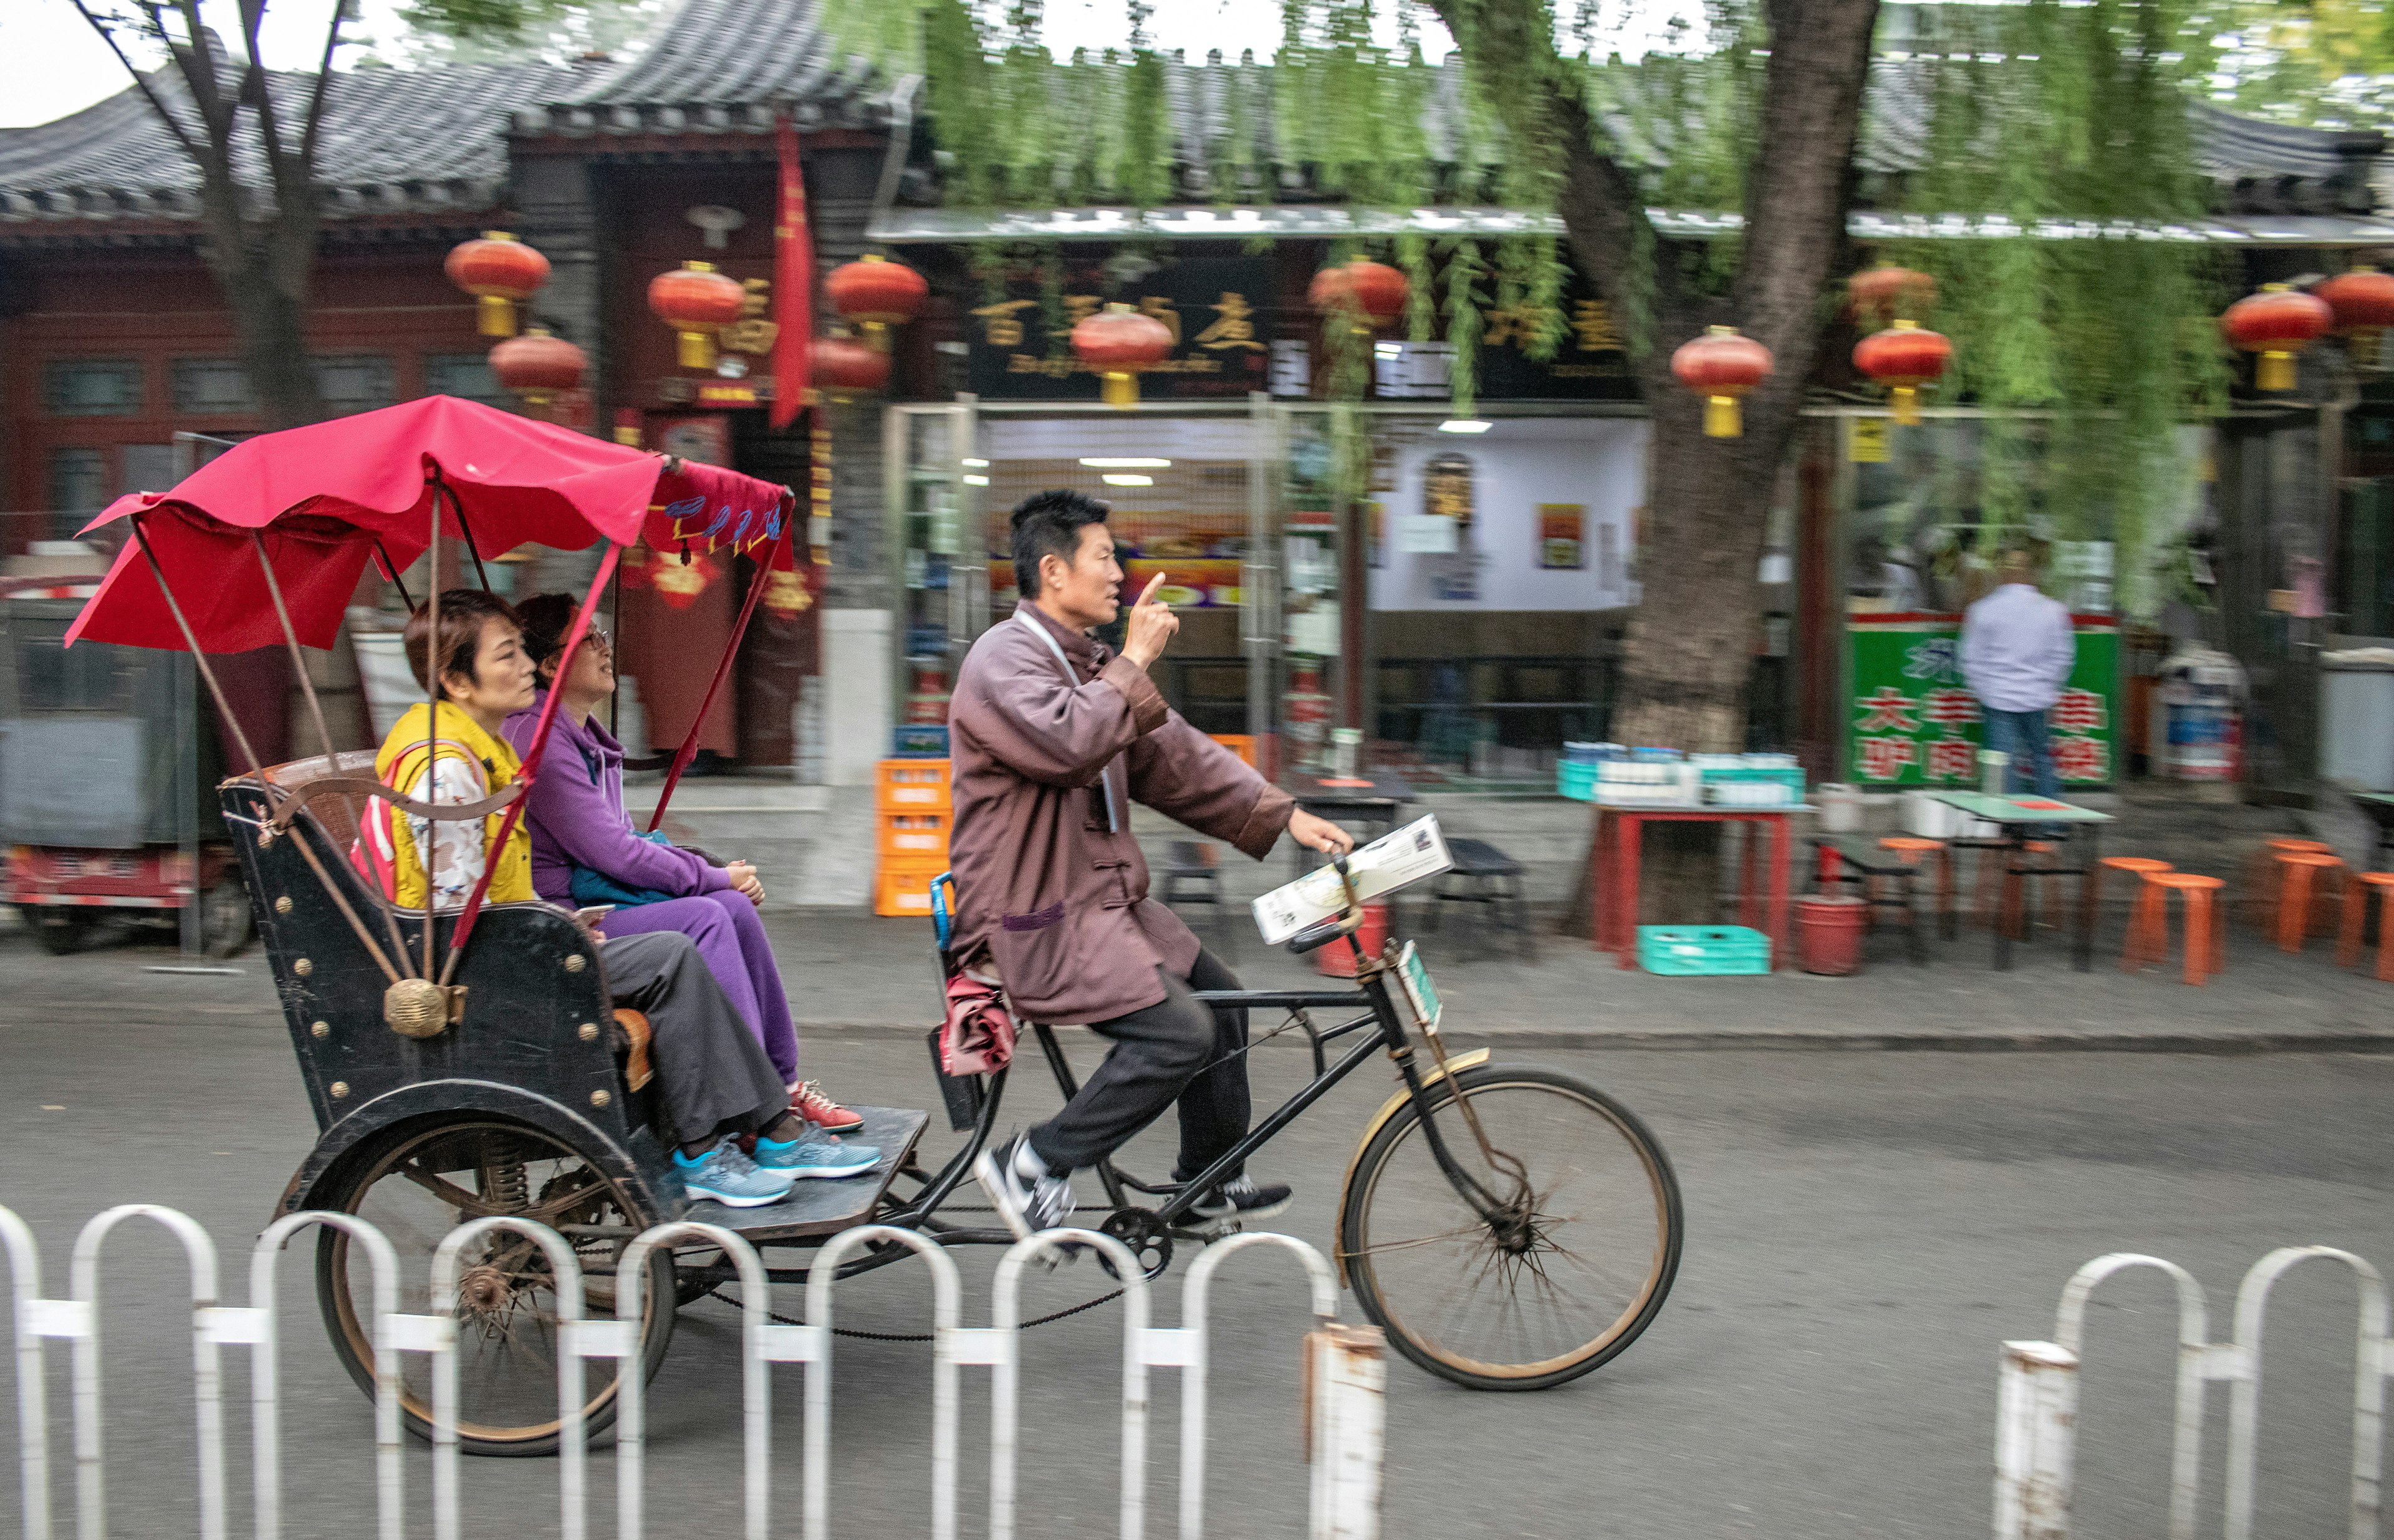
1190, 1351
1006, 1314
1347, 1377
2368, 1394
33, 1384
91, 1488
2197, 1360
264, 1392
947, 1352
2036, 1412
572, 1344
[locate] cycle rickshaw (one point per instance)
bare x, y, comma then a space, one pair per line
1511, 1227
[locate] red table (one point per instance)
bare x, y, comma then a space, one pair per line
1613, 872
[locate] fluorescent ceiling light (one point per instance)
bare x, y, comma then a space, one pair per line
976, 481
1129, 480
978, 464
1464, 424
1121, 462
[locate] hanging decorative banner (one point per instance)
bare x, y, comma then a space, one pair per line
1562, 537
818, 490
794, 278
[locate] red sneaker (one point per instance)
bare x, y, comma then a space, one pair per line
810, 1103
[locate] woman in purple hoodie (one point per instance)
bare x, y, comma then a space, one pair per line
584, 851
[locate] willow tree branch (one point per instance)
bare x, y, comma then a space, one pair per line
310, 133
140, 82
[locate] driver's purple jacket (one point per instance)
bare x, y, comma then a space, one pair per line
1045, 767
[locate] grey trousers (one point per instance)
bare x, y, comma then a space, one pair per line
712, 1075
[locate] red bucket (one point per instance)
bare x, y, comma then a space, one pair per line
1338, 959
1829, 934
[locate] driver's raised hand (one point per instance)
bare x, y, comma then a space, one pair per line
1152, 627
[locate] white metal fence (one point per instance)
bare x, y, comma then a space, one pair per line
1344, 1377
2037, 1400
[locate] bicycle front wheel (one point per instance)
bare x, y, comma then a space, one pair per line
1574, 1269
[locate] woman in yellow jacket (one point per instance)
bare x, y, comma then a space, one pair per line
716, 1081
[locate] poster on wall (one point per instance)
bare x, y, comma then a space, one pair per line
1911, 720
1562, 529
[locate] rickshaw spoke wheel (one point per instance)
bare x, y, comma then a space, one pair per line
1569, 1267
422, 1182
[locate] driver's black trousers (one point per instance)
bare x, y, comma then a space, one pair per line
712, 1074
1160, 1056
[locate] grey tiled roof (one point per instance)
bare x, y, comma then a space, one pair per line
395, 141
718, 66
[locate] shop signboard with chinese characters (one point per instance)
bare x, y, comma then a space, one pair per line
1214, 308
1590, 360
1911, 720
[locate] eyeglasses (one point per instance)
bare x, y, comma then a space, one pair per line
603, 641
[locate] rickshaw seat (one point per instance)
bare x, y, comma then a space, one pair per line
338, 816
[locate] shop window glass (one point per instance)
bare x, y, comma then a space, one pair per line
94, 388
467, 375
212, 387
146, 468
355, 383
78, 488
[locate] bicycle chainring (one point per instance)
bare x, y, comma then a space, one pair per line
1146, 1236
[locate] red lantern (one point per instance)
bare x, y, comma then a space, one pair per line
1373, 293
1118, 342
2277, 322
876, 293
1886, 294
1720, 366
538, 365
2363, 299
499, 271
694, 299
844, 367
1903, 358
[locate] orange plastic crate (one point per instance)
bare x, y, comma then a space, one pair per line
1241, 743
910, 786
912, 836
902, 889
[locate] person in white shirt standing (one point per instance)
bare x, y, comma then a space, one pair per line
2017, 648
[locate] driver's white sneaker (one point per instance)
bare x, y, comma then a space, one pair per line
1243, 1198
1027, 1204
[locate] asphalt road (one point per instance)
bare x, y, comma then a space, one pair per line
1865, 1229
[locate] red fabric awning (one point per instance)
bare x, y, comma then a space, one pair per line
326, 494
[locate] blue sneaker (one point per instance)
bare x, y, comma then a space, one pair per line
730, 1178
815, 1154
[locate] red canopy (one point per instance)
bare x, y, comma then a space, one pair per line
324, 495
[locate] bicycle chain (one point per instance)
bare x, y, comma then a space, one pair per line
716, 1293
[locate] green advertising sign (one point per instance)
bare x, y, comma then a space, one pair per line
1911, 721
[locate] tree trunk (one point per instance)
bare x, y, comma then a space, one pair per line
270, 330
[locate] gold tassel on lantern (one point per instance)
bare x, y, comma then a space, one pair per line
1906, 401
697, 349
495, 315
2274, 372
1121, 388
1722, 420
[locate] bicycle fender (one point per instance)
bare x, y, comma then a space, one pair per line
1431, 1075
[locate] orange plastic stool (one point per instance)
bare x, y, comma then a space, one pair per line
2356, 908
2205, 936
2145, 940
2262, 882
2295, 869
1912, 847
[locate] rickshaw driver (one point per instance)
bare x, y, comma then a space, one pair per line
1052, 737
714, 1079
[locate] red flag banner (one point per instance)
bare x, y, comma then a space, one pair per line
793, 282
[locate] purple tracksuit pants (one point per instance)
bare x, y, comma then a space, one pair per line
730, 938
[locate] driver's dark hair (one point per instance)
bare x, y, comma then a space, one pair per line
1049, 523
463, 610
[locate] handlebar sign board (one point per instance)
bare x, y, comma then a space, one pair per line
1392, 862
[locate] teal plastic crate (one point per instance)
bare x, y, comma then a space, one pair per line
1687, 951
1575, 780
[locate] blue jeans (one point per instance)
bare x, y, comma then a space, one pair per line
2021, 734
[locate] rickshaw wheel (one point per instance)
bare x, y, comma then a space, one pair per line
419, 1183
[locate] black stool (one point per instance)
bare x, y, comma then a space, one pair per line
1191, 875
1485, 876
